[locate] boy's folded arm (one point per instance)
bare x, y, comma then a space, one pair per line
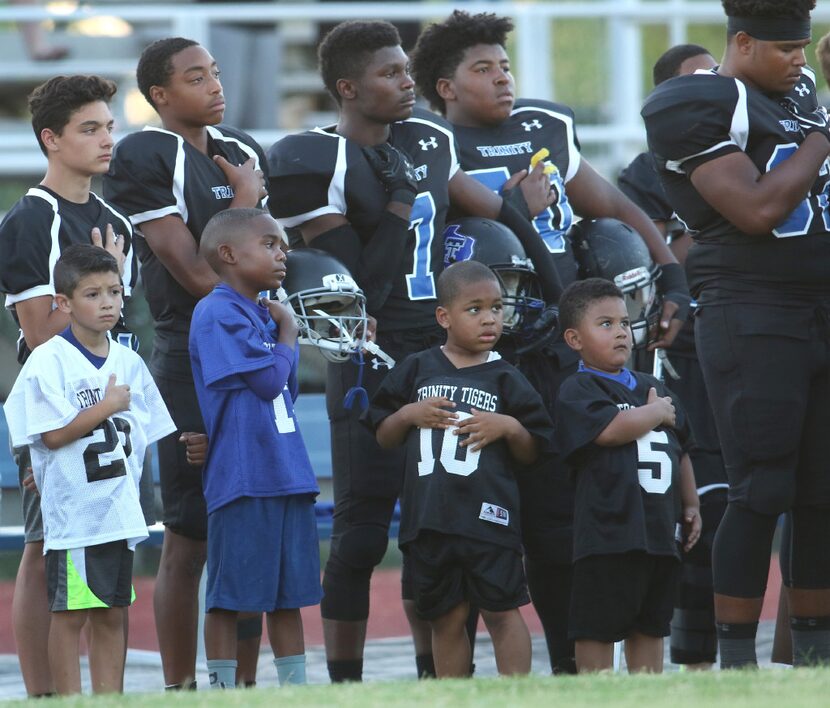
628, 426
80, 426
268, 383
522, 444
392, 430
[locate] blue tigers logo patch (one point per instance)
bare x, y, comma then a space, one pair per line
457, 246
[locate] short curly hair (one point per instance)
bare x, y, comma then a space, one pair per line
441, 47
347, 49
795, 9
669, 63
580, 295
155, 66
53, 102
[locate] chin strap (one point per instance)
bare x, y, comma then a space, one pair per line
357, 393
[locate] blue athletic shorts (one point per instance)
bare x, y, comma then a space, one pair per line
263, 555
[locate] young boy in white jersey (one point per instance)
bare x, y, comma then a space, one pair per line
87, 409
459, 508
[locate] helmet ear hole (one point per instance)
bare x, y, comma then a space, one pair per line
329, 307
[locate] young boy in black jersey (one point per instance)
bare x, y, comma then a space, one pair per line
73, 124
467, 418
462, 68
374, 190
625, 437
171, 181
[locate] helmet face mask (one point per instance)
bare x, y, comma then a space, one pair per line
496, 246
609, 249
329, 307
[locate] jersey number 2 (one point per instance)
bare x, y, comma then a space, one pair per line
450, 451
95, 471
654, 466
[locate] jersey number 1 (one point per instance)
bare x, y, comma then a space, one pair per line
450, 450
420, 282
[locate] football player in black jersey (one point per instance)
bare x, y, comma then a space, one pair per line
374, 191
170, 181
460, 504
72, 122
693, 640
626, 437
462, 68
742, 154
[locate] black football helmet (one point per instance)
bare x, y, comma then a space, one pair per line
329, 306
496, 246
608, 248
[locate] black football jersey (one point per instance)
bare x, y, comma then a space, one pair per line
491, 155
449, 488
320, 172
641, 184
156, 173
627, 496
693, 119
33, 234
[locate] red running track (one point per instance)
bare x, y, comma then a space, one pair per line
386, 617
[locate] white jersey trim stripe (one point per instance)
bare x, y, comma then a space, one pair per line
127, 276
37, 291
178, 175
574, 156
138, 219
739, 130
55, 248
247, 149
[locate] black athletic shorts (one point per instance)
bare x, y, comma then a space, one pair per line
767, 370
182, 497
87, 578
617, 594
446, 570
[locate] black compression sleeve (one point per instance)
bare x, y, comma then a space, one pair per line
536, 250
375, 264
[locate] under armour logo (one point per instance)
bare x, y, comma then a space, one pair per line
378, 363
427, 144
530, 126
802, 90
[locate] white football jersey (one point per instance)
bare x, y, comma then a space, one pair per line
88, 488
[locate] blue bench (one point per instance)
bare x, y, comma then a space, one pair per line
314, 423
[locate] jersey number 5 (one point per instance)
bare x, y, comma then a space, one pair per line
109, 429
454, 458
654, 466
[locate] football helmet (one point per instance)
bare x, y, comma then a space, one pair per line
496, 246
608, 248
329, 306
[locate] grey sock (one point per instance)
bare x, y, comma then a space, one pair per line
811, 640
222, 673
737, 645
291, 669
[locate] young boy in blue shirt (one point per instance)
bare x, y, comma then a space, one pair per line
263, 553
625, 436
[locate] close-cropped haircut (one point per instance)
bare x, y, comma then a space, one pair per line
78, 261
458, 276
794, 9
580, 295
53, 102
441, 47
669, 63
347, 49
225, 227
155, 66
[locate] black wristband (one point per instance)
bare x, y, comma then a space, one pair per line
516, 199
672, 286
403, 196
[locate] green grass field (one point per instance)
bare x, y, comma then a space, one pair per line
763, 689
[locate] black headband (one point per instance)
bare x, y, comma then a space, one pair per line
770, 29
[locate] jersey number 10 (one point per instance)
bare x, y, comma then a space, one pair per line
454, 458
